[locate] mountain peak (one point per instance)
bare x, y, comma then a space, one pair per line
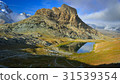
56, 22
8, 16
68, 8
1, 1
64, 14
4, 8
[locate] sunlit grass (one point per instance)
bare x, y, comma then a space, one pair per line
104, 53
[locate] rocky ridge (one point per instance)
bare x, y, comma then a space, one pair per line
51, 23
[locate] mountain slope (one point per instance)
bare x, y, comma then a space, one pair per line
58, 22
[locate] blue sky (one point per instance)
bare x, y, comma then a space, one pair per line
31, 6
91, 11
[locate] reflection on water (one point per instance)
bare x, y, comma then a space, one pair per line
88, 47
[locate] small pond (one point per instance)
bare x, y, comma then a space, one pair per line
88, 47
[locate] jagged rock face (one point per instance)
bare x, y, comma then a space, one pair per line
64, 14
55, 22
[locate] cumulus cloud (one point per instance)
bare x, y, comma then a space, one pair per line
109, 14
91, 5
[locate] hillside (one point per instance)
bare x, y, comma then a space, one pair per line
58, 22
51, 38
105, 52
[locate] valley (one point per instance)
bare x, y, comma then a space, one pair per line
104, 52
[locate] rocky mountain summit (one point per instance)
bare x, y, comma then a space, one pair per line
63, 15
62, 22
66, 18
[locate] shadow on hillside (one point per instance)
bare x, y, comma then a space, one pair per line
115, 65
42, 61
27, 60
14, 43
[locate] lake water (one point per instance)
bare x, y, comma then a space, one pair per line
88, 47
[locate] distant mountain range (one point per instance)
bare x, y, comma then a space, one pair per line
8, 16
106, 27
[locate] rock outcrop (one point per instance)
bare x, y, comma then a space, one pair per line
64, 15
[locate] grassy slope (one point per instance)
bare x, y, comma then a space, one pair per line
105, 52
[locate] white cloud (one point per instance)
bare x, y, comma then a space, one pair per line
91, 5
109, 14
